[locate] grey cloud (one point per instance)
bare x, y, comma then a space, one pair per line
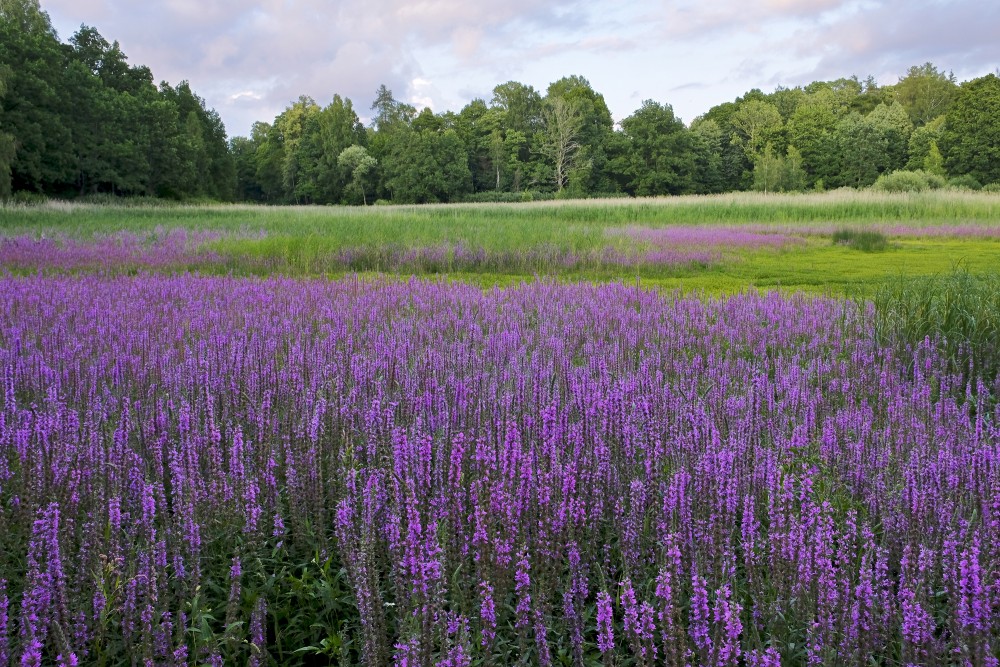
885, 40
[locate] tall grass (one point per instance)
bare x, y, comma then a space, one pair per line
959, 312
512, 224
864, 240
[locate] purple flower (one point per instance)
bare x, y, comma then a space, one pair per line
605, 623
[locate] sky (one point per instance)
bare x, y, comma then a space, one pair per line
250, 59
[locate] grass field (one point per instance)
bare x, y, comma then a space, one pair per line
719, 244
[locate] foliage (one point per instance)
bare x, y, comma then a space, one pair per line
971, 139
77, 119
776, 173
965, 182
356, 160
907, 181
926, 93
920, 146
756, 124
426, 166
658, 157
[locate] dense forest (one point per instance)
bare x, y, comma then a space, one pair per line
76, 119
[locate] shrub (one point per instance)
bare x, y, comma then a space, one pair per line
28, 198
965, 182
991, 187
935, 181
902, 181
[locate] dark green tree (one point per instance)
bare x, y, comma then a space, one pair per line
707, 142
35, 109
659, 157
426, 166
863, 150
6, 141
971, 138
893, 122
811, 129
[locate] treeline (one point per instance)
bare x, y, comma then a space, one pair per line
524, 144
76, 118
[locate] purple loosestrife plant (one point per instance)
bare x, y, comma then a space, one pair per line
388, 458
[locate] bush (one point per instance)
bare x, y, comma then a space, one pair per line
903, 181
28, 198
496, 197
965, 182
992, 188
935, 181
866, 241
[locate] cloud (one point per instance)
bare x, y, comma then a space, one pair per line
284, 49
694, 19
886, 38
246, 95
251, 58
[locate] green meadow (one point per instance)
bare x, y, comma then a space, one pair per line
924, 234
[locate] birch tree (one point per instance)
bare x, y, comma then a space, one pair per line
561, 141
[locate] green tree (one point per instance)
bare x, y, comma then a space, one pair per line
426, 167
111, 128
389, 112
520, 110
734, 166
755, 125
270, 158
475, 125
707, 142
587, 171
919, 145
971, 138
6, 141
325, 134
244, 152
926, 93
768, 171
520, 106
863, 150
794, 178
658, 156
35, 109
811, 130
787, 100
561, 144
893, 122
360, 165
206, 168
934, 161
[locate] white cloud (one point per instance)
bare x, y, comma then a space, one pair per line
246, 95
